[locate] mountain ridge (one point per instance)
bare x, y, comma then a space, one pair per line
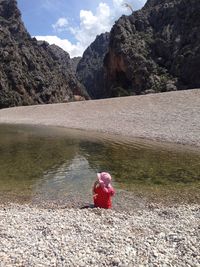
155, 49
32, 72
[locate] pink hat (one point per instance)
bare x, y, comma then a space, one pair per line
104, 178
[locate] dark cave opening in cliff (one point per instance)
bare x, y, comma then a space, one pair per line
122, 85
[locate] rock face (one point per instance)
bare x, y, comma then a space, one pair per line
74, 62
31, 72
155, 49
90, 70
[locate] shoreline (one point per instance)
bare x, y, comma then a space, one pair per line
153, 234
172, 117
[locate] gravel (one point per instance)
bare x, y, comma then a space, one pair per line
172, 116
154, 236
151, 236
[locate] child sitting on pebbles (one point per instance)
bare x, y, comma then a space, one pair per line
103, 191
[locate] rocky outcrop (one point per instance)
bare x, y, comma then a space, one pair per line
155, 49
74, 63
31, 72
90, 70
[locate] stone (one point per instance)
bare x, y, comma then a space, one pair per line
155, 49
31, 71
90, 69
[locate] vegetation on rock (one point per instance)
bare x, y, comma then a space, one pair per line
155, 49
31, 72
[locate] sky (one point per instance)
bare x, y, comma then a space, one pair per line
72, 24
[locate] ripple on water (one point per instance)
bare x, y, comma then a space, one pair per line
42, 164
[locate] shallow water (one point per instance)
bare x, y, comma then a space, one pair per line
55, 165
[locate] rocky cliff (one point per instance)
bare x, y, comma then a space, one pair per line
90, 70
31, 72
154, 49
74, 63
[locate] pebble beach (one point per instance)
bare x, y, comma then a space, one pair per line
165, 117
155, 236
152, 235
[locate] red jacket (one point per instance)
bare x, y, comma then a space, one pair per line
102, 197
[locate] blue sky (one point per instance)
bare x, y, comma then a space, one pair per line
72, 24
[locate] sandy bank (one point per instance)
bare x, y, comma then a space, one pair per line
171, 117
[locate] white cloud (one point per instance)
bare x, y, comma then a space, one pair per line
117, 3
60, 24
73, 50
91, 24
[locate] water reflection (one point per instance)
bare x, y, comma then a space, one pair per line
131, 164
69, 180
58, 165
